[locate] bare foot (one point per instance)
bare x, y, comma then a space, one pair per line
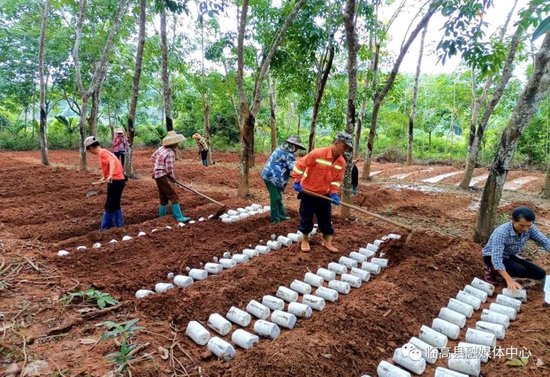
305, 247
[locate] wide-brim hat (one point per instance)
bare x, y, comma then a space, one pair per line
295, 140
119, 131
172, 138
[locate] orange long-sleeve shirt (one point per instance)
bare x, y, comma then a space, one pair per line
319, 172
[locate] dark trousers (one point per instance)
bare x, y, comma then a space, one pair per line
204, 157
167, 190
114, 194
278, 212
120, 156
355, 179
321, 208
519, 268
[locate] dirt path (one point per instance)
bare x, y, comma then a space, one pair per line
43, 210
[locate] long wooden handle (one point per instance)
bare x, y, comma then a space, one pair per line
198, 193
362, 210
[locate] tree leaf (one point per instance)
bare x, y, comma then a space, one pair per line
543, 27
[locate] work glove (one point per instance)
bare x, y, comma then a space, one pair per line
297, 186
335, 198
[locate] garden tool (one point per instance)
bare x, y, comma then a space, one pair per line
220, 211
364, 211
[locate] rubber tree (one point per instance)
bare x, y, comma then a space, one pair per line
459, 14
546, 189
352, 47
377, 32
527, 104
412, 114
272, 111
378, 97
99, 72
323, 73
165, 76
128, 162
248, 112
43, 83
479, 121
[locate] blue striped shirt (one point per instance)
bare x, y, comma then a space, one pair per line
505, 242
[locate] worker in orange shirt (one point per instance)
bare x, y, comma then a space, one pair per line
321, 171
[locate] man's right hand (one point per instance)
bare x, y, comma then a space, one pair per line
513, 285
297, 186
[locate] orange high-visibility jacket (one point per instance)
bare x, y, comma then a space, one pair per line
318, 173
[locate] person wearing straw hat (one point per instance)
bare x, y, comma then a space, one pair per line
320, 172
163, 172
113, 175
120, 145
203, 147
276, 174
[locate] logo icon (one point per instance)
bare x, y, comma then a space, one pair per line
410, 351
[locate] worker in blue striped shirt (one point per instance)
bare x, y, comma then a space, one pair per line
501, 254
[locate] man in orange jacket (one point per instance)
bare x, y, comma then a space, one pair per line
321, 171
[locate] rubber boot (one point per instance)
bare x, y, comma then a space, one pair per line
305, 244
163, 210
107, 221
327, 243
119, 219
178, 215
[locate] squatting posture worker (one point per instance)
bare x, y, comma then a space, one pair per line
321, 171
276, 174
501, 254
113, 175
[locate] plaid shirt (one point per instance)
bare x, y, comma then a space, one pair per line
505, 242
203, 145
163, 162
278, 167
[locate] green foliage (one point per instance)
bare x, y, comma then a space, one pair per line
126, 330
91, 295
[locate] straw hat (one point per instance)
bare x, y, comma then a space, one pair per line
172, 138
196, 136
119, 131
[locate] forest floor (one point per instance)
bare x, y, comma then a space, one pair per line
45, 209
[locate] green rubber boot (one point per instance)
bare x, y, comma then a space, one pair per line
178, 215
162, 210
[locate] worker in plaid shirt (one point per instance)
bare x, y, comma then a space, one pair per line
506, 243
163, 172
203, 148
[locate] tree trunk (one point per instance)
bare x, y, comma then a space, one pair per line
546, 190
128, 163
167, 89
100, 71
273, 112
92, 120
379, 98
207, 129
247, 138
248, 113
527, 105
477, 126
326, 66
351, 41
414, 99
82, 130
43, 83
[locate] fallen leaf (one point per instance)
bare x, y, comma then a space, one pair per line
540, 363
163, 352
88, 341
36, 368
519, 362
327, 355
